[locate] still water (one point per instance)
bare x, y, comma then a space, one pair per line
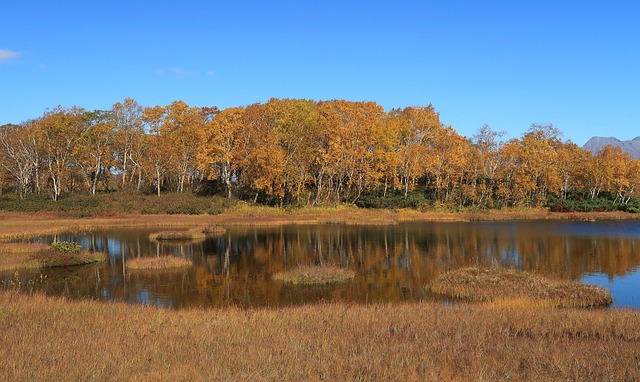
392, 263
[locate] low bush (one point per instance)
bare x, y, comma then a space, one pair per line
600, 204
124, 201
394, 199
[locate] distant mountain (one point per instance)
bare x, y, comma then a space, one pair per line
632, 146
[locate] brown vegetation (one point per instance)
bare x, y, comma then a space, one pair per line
47, 338
159, 263
310, 275
15, 226
49, 257
497, 283
19, 255
178, 235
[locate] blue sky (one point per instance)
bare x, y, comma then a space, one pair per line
508, 64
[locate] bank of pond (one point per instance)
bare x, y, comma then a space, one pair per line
597, 262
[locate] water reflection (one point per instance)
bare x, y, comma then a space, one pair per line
392, 263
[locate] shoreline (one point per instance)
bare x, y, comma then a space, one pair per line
21, 225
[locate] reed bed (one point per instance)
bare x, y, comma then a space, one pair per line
159, 263
45, 338
490, 284
313, 275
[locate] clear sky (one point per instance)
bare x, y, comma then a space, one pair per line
575, 64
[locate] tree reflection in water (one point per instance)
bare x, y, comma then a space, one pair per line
392, 263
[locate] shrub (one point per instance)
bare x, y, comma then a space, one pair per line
600, 204
393, 199
66, 247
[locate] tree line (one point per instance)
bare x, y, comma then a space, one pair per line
304, 152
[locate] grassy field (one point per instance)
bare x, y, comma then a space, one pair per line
47, 338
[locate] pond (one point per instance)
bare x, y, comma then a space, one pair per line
391, 263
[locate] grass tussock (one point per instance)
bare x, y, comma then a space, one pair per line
159, 263
46, 338
310, 275
49, 257
178, 235
504, 284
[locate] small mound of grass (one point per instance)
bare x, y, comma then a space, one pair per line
310, 275
494, 284
159, 263
178, 235
51, 257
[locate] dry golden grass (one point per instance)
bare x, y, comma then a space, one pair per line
47, 338
159, 263
496, 283
19, 255
310, 275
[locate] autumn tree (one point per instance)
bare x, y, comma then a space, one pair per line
295, 123
221, 155
485, 163
416, 129
263, 162
348, 160
451, 153
533, 164
96, 146
159, 158
127, 116
57, 135
20, 156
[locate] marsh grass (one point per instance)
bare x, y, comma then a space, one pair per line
192, 234
158, 263
312, 275
19, 256
506, 284
45, 338
50, 257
